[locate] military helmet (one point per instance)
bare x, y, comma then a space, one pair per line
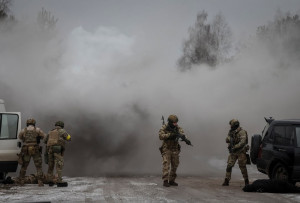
30, 121
172, 119
233, 122
59, 123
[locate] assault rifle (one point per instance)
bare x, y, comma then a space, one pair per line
183, 138
231, 144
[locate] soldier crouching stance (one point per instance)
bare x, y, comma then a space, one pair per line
31, 138
170, 150
55, 141
237, 140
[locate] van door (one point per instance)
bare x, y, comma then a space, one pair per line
10, 126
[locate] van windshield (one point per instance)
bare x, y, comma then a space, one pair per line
8, 126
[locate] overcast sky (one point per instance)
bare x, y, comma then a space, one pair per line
156, 19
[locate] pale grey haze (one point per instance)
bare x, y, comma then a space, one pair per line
109, 71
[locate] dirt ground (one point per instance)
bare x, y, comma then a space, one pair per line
140, 189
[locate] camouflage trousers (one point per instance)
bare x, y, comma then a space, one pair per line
55, 159
37, 159
242, 161
170, 158
31, 179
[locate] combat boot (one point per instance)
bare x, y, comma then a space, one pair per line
246, 182
226, 182
62, 184
173, 183
41, 184
22, 182
166, 184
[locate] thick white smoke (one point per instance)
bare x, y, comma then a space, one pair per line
111, 90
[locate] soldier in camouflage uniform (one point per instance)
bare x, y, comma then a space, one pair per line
31, 136
55, 141
170, 150
237, 151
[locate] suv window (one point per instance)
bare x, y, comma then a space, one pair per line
8, 126
284, 135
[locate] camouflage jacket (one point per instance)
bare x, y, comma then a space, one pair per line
62, 136
31, 135
240, 140
169, 143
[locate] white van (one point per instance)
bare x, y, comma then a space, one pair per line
10, 126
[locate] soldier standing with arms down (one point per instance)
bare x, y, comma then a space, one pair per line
237, 140
170, 149
55, 141
31, 136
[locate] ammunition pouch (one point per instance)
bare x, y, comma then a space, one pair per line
56, 149
31, 150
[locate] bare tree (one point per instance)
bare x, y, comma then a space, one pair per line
282, 36
223, 37
207, 43
46, 20
4, 8
7, 21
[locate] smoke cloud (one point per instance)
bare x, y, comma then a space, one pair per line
111, 90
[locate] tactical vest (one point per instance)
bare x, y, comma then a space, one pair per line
30, 136
53, 138
171, 144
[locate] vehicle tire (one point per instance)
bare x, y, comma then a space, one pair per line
280, 172
255, 144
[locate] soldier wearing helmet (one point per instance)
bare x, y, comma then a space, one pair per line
31, 136
170, 150
237, 140
55, 141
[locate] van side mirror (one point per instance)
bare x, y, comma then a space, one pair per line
19, 144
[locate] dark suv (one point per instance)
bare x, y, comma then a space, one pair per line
277, 151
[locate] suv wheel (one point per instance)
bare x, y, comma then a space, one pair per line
280, 172
255, 144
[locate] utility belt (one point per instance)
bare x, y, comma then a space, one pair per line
55, 149
169, 146
31, 149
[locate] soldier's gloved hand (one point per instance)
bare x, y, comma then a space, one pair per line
182, 136
188, 142
234, 148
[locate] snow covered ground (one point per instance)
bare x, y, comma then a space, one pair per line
141, 189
